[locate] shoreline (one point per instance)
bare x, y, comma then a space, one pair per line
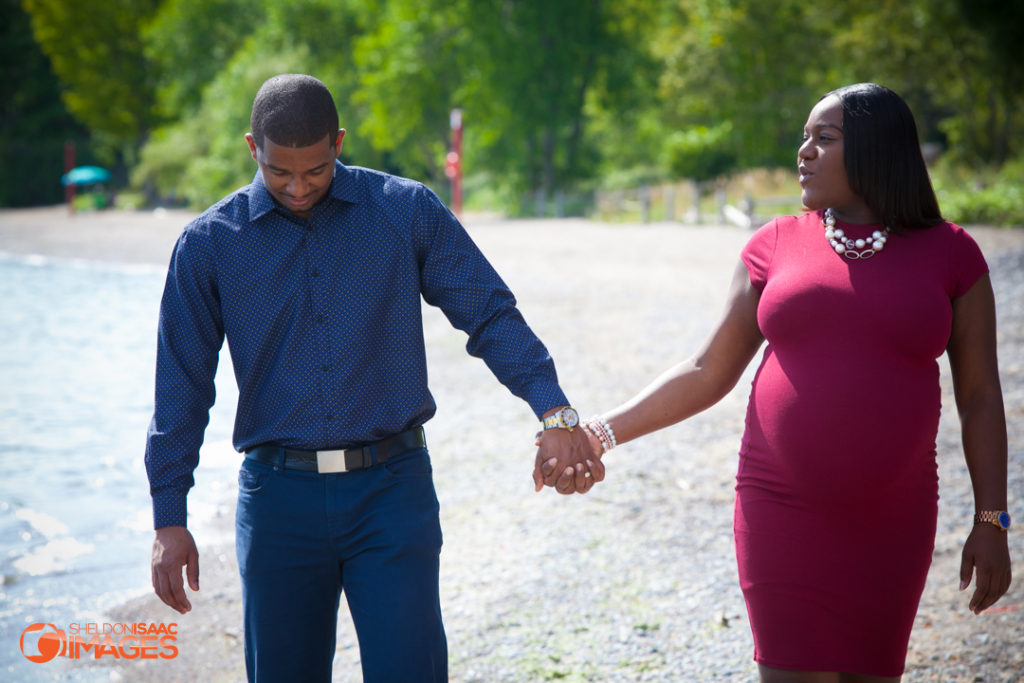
643, 586
147, 237
133, 237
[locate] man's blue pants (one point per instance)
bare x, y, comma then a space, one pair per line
303, 537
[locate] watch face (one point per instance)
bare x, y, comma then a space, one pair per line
1004, 520
570, 417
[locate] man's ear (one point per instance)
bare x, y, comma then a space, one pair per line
252, 145
337, 141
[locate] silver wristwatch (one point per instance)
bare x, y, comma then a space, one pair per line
564, 418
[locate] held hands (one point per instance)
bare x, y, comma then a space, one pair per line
568, 461
173, 549
986, 554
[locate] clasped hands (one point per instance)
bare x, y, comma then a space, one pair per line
568, 461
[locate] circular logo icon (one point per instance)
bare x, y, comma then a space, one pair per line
48, 640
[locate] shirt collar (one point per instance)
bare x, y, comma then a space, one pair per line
343, 188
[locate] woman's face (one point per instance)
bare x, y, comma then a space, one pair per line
823, 180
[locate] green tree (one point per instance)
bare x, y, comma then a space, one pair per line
200, 35
701, 154
538, 69
34, 124
202, 155
758, 65
411, 71
555, 95
96, 51
950, 63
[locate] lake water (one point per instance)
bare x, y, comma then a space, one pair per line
77, 352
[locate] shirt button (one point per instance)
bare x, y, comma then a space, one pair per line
315, 273
329, 417
319, 318
325, 367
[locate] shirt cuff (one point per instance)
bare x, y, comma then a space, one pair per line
543, 396
169, 509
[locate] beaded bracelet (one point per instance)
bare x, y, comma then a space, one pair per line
603, 431
608, 428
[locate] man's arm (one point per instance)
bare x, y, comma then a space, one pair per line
456, 277
190, 335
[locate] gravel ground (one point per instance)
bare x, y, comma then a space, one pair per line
636, 581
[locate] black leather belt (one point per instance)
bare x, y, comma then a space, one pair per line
330, 461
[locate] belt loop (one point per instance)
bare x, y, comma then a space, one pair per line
282, 457
369, 456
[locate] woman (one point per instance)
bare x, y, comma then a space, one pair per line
837, 488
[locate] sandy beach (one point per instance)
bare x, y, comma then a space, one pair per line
635, 581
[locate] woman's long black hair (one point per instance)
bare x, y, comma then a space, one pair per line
883, 159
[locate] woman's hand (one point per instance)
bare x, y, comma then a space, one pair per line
986, 554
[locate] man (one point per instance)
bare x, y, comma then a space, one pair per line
313, 273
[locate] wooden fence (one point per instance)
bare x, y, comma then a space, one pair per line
685, 203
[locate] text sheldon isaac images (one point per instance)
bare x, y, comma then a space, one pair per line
41, 642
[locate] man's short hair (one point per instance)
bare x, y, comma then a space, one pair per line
293, 110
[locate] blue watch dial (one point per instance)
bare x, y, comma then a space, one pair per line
1004, 520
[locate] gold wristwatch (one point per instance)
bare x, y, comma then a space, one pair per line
1000, 518
563, 418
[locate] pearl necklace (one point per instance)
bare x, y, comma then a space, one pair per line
851, 248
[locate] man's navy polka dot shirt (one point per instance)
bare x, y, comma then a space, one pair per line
323, 322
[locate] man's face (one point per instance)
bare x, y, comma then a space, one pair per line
297, 177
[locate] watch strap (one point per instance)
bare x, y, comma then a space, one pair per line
564, 418
1000, 518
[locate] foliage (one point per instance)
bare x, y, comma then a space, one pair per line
204, 34
34, 124
949, 70
988, 196
203, 157
410, 63
736, 61
200, 157
96, 51
541, 74
701, 153
558, 98
91, 201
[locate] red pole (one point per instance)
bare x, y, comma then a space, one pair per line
454, 165
69, 163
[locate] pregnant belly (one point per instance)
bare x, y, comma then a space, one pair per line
827, 437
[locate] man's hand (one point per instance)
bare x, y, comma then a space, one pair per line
987, 556
174, 548
567, 461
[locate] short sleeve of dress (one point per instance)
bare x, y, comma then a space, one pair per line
758, 253
966, 262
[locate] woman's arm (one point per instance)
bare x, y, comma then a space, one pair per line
979, 400
704, 379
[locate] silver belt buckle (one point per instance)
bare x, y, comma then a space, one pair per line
330, 462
